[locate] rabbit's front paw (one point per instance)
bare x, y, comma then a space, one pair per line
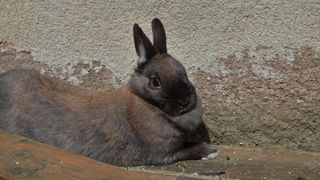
213, 152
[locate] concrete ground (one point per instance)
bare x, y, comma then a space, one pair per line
22, 158
252, 163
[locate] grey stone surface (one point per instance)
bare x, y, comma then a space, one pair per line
64, 33
255, 63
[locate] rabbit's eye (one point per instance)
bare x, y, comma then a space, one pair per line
155, 83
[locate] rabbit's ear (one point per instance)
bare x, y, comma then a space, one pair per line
159, 36
144, 47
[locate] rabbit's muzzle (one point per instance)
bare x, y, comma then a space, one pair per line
187, 105
176, 107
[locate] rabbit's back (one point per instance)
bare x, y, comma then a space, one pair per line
46, 109
37, 106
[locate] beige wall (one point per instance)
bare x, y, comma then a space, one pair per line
256, 63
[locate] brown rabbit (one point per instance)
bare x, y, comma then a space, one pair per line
154, 119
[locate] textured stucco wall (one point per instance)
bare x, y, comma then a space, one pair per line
255, 63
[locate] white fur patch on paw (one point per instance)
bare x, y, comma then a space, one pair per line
204, 158
211, 156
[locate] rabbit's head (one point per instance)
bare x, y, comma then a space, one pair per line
159, 78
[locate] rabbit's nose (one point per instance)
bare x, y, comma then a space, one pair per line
187, 105
184, 103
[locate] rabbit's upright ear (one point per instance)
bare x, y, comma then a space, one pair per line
144, 47
159, 36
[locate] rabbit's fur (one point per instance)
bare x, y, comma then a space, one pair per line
154, 119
